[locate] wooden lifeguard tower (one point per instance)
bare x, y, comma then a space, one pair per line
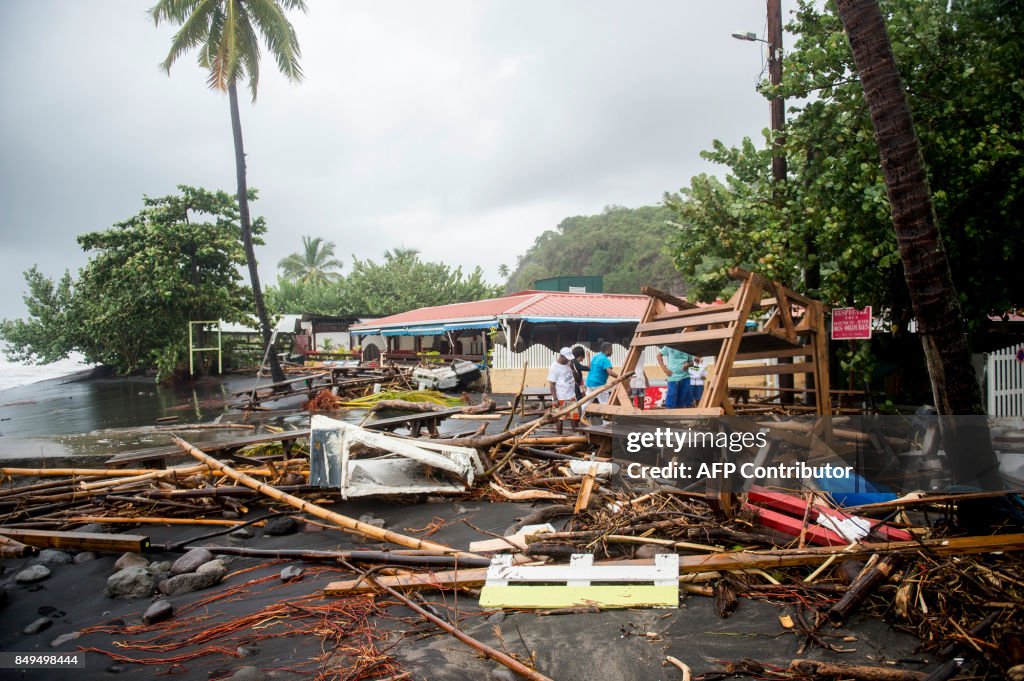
791, 326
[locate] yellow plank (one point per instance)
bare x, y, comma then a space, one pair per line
604, 596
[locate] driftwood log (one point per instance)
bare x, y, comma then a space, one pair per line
826, 670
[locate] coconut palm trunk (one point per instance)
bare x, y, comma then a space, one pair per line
940, 322
276, 373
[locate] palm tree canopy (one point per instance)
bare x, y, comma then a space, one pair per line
228, 32
313, 264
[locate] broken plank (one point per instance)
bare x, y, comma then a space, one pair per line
78, 541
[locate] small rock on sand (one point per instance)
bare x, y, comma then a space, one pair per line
370, 520
158, 612
64, 638
53, 557
191, 561
32, 574
37, 626
84, 557
207, 575
291, 573
131, 582
242, 533
128, 560
280, 526
248, 674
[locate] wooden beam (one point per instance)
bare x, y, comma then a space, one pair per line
722, 562
707, 309
619, 410
804, 351
772, 369
667, 298
78, 541
716, 390
686, 322
688, 336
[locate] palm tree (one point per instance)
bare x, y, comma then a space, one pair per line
401, 253
313, 264
503, 271
933, 297
227, 34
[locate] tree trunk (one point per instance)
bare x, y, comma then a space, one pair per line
277, 374
933, 297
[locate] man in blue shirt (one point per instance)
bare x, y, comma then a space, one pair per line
676, 365
600, 370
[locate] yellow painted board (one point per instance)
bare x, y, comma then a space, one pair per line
604, 596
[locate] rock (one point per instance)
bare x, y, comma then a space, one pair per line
229, 515
93, 528
242, 533
128, 560
1015, 673
497, 618
53, 557
84, 557
158, 612
115, 669
370, 520
191, 561
64, 638
280, 526
207, 575
162, 566
32, 574
131, 582
37, 626
248, 674
248, 650
291, 573
648, 551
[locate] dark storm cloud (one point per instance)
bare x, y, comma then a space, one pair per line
423, 124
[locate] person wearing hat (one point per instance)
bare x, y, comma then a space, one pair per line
561, 383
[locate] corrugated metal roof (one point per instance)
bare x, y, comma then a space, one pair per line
522, 304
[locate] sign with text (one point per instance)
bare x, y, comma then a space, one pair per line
849, 323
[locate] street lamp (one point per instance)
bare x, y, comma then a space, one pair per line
752, 37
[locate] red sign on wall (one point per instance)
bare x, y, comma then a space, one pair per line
849, 323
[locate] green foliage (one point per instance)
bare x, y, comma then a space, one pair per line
228, 35
625, 245
402, 281
961, 63
176, 261
314, 264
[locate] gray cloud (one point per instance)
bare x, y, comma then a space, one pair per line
461, 128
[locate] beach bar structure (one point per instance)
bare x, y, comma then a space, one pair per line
507, 333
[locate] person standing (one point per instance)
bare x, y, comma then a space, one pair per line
600, 370
675, 364
638, 386
698, 375
578, 367
560, 383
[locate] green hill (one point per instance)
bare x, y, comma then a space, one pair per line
625, 245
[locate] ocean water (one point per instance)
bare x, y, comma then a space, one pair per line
13, 375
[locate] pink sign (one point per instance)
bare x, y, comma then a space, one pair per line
849, 323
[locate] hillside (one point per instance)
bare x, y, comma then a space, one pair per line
625, 245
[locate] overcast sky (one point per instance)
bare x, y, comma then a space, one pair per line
463, 129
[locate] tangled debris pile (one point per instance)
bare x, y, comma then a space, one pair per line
595, 539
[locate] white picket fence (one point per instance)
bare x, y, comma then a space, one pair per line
541, 357
1005, 378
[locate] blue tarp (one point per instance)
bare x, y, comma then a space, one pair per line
489, 324
414, 331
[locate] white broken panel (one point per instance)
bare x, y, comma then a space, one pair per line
405, 467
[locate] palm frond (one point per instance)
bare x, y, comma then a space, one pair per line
279, 36
194, 31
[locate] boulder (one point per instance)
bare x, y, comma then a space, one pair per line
64, 638
207, 575
242, 533
248, 674
32, 574
191, 561
131, 582
128, 560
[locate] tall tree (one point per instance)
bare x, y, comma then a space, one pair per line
314, 264
936, 306
227, 34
